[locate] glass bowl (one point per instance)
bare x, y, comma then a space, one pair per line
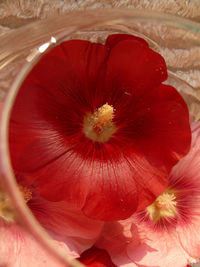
176, 39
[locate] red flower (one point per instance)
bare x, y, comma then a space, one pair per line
95, 257
92, 124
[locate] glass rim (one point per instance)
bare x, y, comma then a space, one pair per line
66, 23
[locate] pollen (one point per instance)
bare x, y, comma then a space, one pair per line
164, 206
26, 193
99, 126
102, 117
7, 210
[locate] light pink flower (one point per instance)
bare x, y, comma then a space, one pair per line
166, 233
71, 231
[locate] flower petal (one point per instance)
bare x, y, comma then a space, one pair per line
66, 224
167, 127
185, 176
189, 238
114, 39
83, 59
114, 238
157, 249
134, 67
94, 186
96, 257
18, 248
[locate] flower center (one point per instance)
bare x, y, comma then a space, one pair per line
99, 126
163, 206
7, 211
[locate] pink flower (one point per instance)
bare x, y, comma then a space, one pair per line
166, 233
71, 231
94, 125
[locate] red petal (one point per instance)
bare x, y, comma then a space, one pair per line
135, 68
95, 257
83, 59
19, 248
163, 129
114, 39
98, 187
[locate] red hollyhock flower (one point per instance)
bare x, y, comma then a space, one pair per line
95, 257
93, 125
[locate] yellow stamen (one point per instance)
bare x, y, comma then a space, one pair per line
7, 211
99, 126
163, 206
26, 193
6, 207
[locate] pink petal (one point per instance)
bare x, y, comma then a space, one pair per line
19, 248
186, 175
189, 238
114, 239
157, 250
67, 224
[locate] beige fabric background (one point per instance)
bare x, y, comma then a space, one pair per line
15, 13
